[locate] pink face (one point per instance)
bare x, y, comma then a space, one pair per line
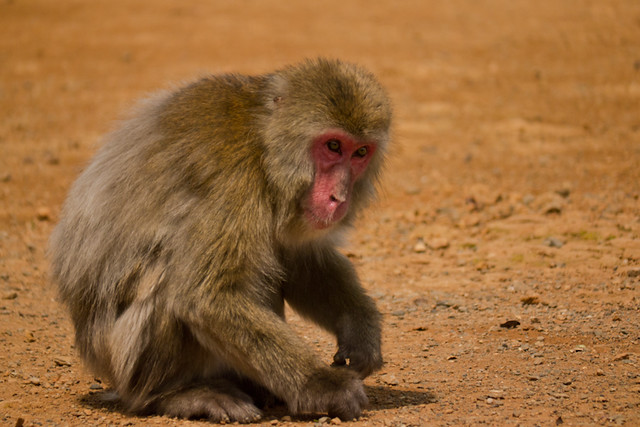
340, 159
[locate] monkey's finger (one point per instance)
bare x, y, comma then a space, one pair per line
365, 363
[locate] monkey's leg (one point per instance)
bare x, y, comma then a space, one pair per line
218, 401
159, 367
323, 286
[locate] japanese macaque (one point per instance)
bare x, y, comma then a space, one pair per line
200, 216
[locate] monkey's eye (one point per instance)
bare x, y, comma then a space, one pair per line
361, 152
334, 145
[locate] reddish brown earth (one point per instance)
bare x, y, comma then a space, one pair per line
512, 193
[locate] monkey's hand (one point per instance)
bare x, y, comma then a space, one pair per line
337, 391
362, 348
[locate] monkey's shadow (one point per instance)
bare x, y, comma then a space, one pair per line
390, 398
380, 398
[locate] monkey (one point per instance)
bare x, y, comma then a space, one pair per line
205, 210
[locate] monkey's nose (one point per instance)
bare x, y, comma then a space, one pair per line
338, 199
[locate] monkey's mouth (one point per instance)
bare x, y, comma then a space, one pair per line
323, 217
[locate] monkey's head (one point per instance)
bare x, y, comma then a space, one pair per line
326, 135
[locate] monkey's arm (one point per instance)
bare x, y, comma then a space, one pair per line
256, 342
323, 286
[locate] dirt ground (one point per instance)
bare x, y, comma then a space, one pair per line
512, 193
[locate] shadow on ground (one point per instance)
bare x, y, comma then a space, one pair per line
380, 398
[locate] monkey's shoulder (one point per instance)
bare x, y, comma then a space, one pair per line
222, 90
225, 105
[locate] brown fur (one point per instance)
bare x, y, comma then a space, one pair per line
180, 240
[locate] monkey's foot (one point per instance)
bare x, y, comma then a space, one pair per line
216, 404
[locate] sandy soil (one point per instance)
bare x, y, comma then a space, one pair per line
512, 193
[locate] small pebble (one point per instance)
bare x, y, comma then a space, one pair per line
61, 361
579, 348
43, 214
496, 394
439, 243
510, 324
552, 207
553, 242
10, 295
420, 247
390, 380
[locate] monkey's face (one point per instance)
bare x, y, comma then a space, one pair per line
339, 160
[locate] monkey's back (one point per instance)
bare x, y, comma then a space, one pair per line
162, 201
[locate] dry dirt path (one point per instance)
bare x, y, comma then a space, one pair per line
512, 193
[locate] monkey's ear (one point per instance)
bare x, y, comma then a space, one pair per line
277, 90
